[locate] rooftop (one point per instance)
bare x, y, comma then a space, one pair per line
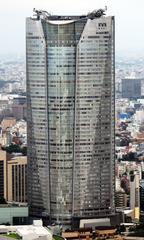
42, 14
32, 232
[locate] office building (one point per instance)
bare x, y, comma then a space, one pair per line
4, 157
13, 177
133, 88
135, 193
142, 195
121, 199
70, 115
17, 179
19, 107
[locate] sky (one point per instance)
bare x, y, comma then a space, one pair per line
129, 18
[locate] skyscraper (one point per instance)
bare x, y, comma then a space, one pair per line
70, 98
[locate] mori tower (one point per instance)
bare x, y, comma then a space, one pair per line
70, 115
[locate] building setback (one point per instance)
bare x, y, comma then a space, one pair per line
70, 116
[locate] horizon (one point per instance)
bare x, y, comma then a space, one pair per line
128, 18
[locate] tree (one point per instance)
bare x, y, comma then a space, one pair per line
13, 148
24, 151
2, 200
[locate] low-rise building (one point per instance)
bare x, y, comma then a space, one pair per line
81, 234
28, 232
8, 122
13, 214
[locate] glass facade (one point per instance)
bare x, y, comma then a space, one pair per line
70, 98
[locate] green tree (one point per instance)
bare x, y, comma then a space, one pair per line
2, 200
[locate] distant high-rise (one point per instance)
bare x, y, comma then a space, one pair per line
132, 88
135, 193
70, 101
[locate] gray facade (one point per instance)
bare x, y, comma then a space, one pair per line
132, 88
70, 101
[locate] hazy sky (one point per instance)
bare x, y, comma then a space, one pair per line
129, 16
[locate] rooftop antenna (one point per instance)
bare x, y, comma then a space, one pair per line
97, 13
41, 13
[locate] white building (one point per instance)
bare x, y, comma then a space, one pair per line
29, 232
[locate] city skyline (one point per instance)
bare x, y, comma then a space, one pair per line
129, 16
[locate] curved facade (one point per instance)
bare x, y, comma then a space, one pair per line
70, 92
